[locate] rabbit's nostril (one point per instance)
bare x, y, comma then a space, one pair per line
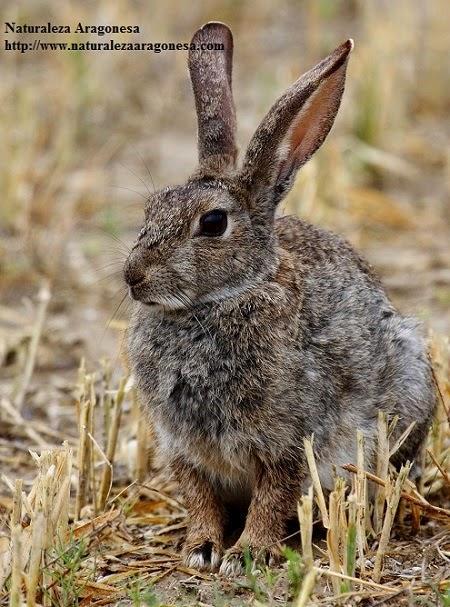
133, 277
135, 280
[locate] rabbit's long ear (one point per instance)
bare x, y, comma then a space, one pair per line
295, 128
210, 71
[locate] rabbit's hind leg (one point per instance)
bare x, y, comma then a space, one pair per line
410, 392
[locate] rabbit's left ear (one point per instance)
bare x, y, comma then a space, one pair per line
210, 65
295, 128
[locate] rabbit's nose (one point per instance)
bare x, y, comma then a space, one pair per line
133, 275
135, 280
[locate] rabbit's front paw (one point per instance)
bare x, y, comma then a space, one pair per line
236, 558
204, 556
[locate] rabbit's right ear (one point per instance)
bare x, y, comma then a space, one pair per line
294, 129
210, 70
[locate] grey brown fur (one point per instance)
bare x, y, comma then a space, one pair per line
244, 344
211, 83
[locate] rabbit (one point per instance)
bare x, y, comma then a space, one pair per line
251, 331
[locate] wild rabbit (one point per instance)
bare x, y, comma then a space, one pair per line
252, 331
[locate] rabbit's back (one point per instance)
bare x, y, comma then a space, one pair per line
363, 354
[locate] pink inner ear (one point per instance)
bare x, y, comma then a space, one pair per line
313, 122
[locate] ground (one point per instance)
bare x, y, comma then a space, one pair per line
85, 137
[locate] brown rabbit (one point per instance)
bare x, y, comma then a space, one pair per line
251, 332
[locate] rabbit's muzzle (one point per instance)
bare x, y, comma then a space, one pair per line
152, 281
134, 269
135, 274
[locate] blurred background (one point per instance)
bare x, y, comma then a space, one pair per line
86, 135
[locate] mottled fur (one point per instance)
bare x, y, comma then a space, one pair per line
243, 345
211, 81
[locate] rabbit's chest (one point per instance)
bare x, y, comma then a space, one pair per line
203, 387
201, 406
205, 383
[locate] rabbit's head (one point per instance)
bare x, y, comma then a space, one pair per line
214, 237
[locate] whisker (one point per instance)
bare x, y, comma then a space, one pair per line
114, 314
119, 258
138, 177
146, 166
121, 187
109, 276
121, 345
123, 249
118, 263
119, 241
115, 255
116, 311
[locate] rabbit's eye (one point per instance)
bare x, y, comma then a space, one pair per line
213, 223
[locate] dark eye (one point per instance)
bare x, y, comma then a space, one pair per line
213, 223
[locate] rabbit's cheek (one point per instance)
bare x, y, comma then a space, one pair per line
181, 261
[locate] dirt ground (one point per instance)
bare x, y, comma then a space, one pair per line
86, 138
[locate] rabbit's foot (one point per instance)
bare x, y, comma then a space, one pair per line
204, 556
235, 559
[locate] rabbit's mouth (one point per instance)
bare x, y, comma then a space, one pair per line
133, 292
168, 302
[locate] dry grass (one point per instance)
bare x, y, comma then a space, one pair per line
85, 515
77, 534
